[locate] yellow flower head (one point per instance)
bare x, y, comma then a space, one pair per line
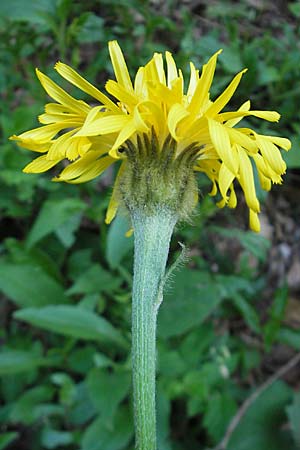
156, 104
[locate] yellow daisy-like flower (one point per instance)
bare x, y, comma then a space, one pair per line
93, 137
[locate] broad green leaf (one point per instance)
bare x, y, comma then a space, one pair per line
29, 285
55, 438
292, 157
53, 215
22, 10
15, 361
193, 296
94, 280
262, 427
220, 408
107, 390
91, 30
99, 436
72, 321
26, 409
117, 244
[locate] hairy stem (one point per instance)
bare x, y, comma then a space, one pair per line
152, 234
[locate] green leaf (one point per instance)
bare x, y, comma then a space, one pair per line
54, 214
117, 244
54, 438
291, 157
15, 361
262, 426
94, 280
91, 29
192, 298
22, 10
107, 390
7, 438
290, 337
247, 311
293, 413
72, 321
26, 409
99, 436
29, 285
272, 327
220, 408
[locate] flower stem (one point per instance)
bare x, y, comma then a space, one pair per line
152, 235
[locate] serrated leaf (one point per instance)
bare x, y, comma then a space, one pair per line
72, 321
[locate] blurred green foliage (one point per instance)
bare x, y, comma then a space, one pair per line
65, 277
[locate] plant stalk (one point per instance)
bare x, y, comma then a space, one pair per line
152, 235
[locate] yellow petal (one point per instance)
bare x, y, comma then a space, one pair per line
271, 154
104, 125
279, 141
54, 118
171, 68
77, 147
45, 133
232, 202
29, 144
114, 200
59, 95
193, 80
77, 80
271, 116
159, 64
242, 139
225, 179
93, 170
119, 65
203, 84
246, 180
254, 221
221, 142
244, 107
126, 132
224, 98
139, 83
40, 164
176, 114
122, 94
77, 168
139, 122
59, 146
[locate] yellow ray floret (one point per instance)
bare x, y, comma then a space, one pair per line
90, 135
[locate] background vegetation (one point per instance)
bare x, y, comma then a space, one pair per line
231, 316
